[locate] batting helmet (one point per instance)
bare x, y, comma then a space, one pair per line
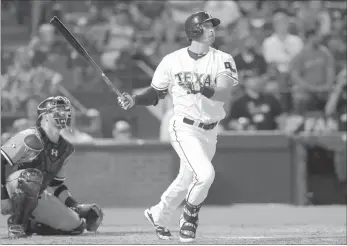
193, 24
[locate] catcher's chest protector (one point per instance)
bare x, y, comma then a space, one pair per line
51, 158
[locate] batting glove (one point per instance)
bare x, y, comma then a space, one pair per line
126, 101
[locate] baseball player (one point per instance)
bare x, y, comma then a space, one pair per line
33, 160
200, 79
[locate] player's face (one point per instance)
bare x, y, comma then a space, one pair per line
209, 33
60, 117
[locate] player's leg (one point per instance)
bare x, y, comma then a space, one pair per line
197, 147
52, 217
50, 213
194, 150
173, 196
23, 187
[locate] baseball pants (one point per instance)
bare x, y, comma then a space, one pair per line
196, 148
50, 210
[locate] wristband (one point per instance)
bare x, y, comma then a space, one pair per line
207, 91
70, 202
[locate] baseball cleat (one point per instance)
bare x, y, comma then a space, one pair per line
187, 230
16, 231
162, 232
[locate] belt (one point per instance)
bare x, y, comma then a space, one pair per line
201, 125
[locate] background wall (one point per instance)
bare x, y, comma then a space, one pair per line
265, 168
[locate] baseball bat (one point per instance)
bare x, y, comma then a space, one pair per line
79, 48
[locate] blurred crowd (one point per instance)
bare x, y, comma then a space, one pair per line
290, 55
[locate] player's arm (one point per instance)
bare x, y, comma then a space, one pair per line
152, 94
149, 96
22, 147
91, 212
226, 79
60, 190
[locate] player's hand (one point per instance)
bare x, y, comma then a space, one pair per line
192, 88
6, 207
93, 215
126, 101
196, 88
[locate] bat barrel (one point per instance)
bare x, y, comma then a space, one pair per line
79, 48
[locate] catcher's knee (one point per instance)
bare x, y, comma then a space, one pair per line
30, 181
25, 197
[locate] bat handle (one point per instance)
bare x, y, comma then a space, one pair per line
107, 80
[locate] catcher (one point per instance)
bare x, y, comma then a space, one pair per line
34, 160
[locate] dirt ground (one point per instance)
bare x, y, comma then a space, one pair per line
238, 224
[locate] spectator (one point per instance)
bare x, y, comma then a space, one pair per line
23, 80
234, 41
254, 110
279, 49
44, 43
118, 37
312, 74
180, 10
5, 136
21, 124
248, 8
249, 61
15, 84
168, 44
122, 131
93, 127
227, 11
31, 109
336, 40
145, 14
337, 102
322, 16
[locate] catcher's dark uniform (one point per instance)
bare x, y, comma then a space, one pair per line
31, 165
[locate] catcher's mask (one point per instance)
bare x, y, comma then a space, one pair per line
60, 109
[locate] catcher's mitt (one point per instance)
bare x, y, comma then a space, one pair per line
93, 215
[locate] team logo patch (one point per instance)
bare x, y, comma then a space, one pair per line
54, 152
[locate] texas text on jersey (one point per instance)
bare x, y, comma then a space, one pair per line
184, 76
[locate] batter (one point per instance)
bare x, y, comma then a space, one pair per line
200, 79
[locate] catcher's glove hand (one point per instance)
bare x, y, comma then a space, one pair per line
93, 215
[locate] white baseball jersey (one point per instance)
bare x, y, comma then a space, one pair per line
178, 69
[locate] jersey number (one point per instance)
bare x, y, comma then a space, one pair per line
228, 66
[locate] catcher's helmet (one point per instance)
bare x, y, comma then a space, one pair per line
60, 108
193, 24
